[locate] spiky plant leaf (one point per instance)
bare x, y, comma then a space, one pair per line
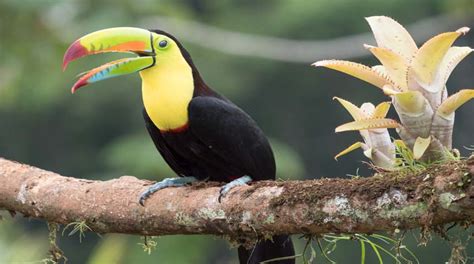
389, 90
381, 110
447, 108
351, 148
357, 70
428, 58
391, 35
411, 102
395, 65
368, 124
452, 58
353, 110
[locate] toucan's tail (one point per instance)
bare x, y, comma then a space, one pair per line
277, 247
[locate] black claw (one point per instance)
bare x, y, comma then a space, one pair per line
221, 195
142, 200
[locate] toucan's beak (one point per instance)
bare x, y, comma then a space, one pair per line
121, 39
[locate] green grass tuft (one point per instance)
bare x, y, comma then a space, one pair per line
78, 226
405, 160
379, 244
148, 244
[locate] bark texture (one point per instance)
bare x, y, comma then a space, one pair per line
442, 194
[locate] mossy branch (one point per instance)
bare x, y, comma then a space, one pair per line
444, 193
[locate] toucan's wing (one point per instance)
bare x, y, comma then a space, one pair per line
174, 160
232, 135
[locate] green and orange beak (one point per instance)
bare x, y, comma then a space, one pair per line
122, 39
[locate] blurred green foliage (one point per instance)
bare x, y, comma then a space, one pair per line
99, 133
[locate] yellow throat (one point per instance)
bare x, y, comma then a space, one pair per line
167, 89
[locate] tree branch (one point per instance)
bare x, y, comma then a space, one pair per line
442, 194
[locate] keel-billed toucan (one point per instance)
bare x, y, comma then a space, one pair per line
200, 134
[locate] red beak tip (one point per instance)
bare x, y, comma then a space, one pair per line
78, 84
75, 88
75, 51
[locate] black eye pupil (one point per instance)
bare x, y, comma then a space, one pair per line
163, 43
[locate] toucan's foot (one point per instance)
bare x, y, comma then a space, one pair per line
237, 182
168, 182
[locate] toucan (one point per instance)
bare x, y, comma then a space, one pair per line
201, 134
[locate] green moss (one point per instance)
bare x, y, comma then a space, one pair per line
210, 214
406, 212
184, 219
270, 219
340, 205
56, 254
446, 202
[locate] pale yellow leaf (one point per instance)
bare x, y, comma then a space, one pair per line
368, 109
349, 149
429, 56
394, 64
452, 58
380, 69
454, 102
389, 90
357, 70
368, 153
368, 124
391, 35
353, 110
412, 102
381, 110
421, 145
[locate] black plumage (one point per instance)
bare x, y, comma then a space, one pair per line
220, 143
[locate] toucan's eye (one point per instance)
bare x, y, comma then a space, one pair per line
163, 44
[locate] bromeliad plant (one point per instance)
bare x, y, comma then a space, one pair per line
415, 79
377, 145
